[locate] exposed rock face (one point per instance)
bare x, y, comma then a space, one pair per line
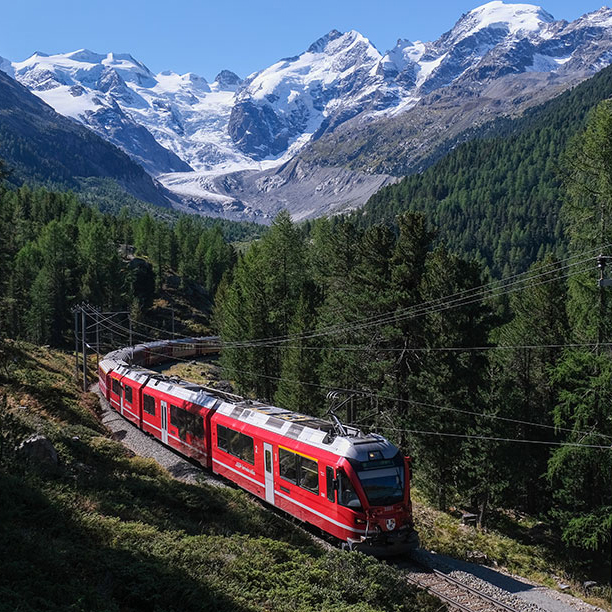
227, 79
47, 145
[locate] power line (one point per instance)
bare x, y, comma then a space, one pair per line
413, 312
492, 438
416, 403
402, 400
447, 434
435, 406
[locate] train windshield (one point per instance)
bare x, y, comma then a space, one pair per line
382, 480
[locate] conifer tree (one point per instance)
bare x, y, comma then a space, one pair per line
581, 478
298, 387
521, 381
455, 379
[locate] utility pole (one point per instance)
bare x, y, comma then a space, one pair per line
75, 311
602, 283
97, 339
84, 348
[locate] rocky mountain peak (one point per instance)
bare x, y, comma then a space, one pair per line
337, 86
85, 55
318, 46
6, 67
227, 79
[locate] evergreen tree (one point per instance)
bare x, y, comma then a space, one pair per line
441, 378
521, 381
298, 388
581, 478
54, 286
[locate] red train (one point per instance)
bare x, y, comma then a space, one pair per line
354, 487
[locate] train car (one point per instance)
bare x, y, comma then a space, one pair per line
125, 391
157, 352
207, 345
179, 413
352, 486
105, 367
184, 348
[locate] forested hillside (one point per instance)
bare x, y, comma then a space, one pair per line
507, 412
57, 251
511, 413
497, 198
107, 531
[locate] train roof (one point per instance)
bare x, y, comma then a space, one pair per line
311, 430
321, 433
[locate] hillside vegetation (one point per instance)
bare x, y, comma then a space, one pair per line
500, 390
57, 252
110, 531
498, 197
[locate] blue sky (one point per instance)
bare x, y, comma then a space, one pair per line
241, 35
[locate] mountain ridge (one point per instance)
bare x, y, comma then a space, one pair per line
340, 105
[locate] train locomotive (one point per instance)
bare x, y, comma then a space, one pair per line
354, 487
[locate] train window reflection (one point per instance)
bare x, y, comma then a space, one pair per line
301, 470
383, 487
287, 465
236, 443
148, 404
346, 492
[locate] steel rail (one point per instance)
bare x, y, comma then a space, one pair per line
490, 602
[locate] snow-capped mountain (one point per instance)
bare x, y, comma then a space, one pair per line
286, 104
197, 137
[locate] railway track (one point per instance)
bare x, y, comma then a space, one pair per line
456, 594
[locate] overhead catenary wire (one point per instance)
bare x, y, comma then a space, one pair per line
396, 318
386, 397
436, 305
474, 436
496, 439
491, 287
382, 396
370, 394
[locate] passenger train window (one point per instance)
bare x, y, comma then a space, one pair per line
116, 387
331, 491
198, 426
268, 462
309, 474
346, 493
298, 469
148, 404
186, 422
287, 465
236, 443
128, 394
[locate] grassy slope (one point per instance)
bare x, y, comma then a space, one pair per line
519, 545
110, 531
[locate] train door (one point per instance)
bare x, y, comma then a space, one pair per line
269, 472
121, 394
164, 422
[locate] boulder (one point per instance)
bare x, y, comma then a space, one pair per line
38, 449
